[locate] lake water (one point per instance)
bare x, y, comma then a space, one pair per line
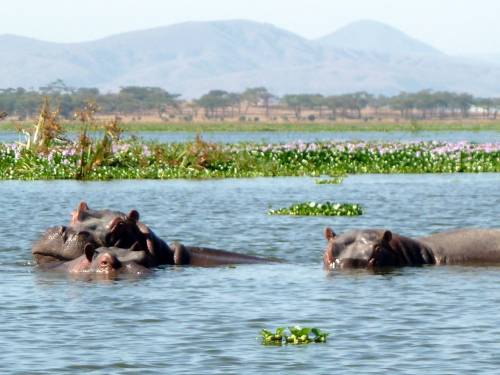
432, 320
284, 137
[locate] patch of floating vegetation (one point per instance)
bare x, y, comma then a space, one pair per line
336, 180
295, 336
319, 209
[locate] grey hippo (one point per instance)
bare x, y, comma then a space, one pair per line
107, 261
371, 248
115, 229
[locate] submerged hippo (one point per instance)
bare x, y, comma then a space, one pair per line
106, 228
207, 257
110, 261
370, 248
60, 244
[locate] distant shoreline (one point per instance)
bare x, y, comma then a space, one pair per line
201, 127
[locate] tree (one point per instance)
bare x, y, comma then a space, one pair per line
141, 99
298, 102
256, 96
213, 100
56, 87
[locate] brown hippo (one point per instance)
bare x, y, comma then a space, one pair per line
370, 248
109, 261
106, 228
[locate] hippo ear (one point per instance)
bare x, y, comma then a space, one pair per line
133, 215
329, 233
144, 229
135, 247
89, 250
83, 206
79, 213
387, 236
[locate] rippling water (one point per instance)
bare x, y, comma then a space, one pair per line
284, 137
187, 320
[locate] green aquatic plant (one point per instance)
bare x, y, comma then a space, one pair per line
330, 181
295, 336
112, 158
319, 209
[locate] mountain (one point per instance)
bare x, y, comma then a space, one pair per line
367, 35
194, 57
492, 59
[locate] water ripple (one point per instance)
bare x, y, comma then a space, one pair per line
186, 320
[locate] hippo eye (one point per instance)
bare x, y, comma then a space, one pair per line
108, 238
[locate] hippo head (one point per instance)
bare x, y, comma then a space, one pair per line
112, 261
99, 228
359, 249
61, 243
108, 228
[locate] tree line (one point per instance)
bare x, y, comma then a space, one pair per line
220, 104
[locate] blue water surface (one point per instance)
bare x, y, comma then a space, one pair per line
432, 320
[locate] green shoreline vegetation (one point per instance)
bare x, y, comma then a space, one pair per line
98, 153
106, 159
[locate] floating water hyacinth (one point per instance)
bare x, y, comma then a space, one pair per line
295, 336
330, 181
200, 159
319, 209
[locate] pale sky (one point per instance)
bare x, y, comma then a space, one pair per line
453, 26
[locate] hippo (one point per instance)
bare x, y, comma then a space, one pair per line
107, 228
372, 248
99, 228
60, 243
109, 261
207, 257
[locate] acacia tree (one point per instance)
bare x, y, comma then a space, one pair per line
140, 99
234, 101
256, 96
214, 100
298, 102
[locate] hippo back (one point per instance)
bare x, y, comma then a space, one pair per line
465, 246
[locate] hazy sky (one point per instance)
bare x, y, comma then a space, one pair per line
454, 26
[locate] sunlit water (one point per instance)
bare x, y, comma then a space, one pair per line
432, 320
284, 137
